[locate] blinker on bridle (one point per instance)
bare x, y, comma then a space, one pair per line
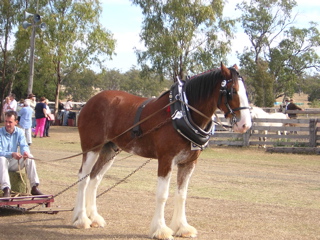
228, 95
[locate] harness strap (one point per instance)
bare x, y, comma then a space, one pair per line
136, 130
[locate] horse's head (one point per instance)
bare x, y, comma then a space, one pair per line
233, 100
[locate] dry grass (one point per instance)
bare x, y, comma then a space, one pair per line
235, 193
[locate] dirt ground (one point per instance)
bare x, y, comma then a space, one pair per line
235, 193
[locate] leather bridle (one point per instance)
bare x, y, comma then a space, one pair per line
228, 95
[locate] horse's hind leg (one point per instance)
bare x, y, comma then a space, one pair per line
80, 218
104, 162
179, 222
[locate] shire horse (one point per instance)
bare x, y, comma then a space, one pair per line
103, 127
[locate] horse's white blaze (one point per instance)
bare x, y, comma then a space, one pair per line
245, 121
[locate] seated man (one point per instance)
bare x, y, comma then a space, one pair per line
10, 138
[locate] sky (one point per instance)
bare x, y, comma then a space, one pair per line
124, 20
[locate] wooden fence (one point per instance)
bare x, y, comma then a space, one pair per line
303, 135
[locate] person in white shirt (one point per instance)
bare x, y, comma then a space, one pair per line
13, 103
67, 107
47, 124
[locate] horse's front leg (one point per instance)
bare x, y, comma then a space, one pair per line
179, 222
80, 218
158, 228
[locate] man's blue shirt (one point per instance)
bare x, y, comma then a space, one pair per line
9, 143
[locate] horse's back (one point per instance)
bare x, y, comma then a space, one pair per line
279, 115
105, 114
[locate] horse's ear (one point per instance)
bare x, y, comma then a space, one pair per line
235, 66
225, 71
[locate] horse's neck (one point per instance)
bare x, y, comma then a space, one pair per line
207, 110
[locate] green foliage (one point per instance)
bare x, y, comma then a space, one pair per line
182, 36
311, 86
9, 67
285, 54
84, 84
315, 104
80, 85
134, 82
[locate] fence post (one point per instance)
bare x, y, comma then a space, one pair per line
246, 138
312, 133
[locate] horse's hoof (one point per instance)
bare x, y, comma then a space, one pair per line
94, 225
98, 221
163, 233
187, 232
82, 224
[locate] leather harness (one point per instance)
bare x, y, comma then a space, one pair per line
181, 116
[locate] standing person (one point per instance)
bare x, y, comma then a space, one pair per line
26, 121
47, 124
13, 102
67, 107
6, 106
41, 115
31, 99
10, 138
60, 111
292, 106
19, 107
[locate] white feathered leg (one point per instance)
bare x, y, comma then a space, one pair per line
179, 223
158, 228
91, 194
80, 218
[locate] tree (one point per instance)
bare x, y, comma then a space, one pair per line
135, 83
110, 79
80, 85
74, 38
182, 36
8, 20
286, 53
293, 57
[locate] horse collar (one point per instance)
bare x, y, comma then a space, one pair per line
182, 120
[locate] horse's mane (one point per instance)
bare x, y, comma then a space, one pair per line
200, 87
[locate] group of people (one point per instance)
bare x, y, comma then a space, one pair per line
30, 115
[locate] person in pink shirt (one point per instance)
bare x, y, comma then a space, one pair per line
41, 116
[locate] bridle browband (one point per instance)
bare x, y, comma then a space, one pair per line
228, 95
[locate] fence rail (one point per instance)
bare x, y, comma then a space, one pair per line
302, 133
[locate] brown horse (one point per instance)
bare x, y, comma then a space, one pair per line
105, 124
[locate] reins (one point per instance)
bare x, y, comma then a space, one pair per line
117, 152
138, 123
100, 145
